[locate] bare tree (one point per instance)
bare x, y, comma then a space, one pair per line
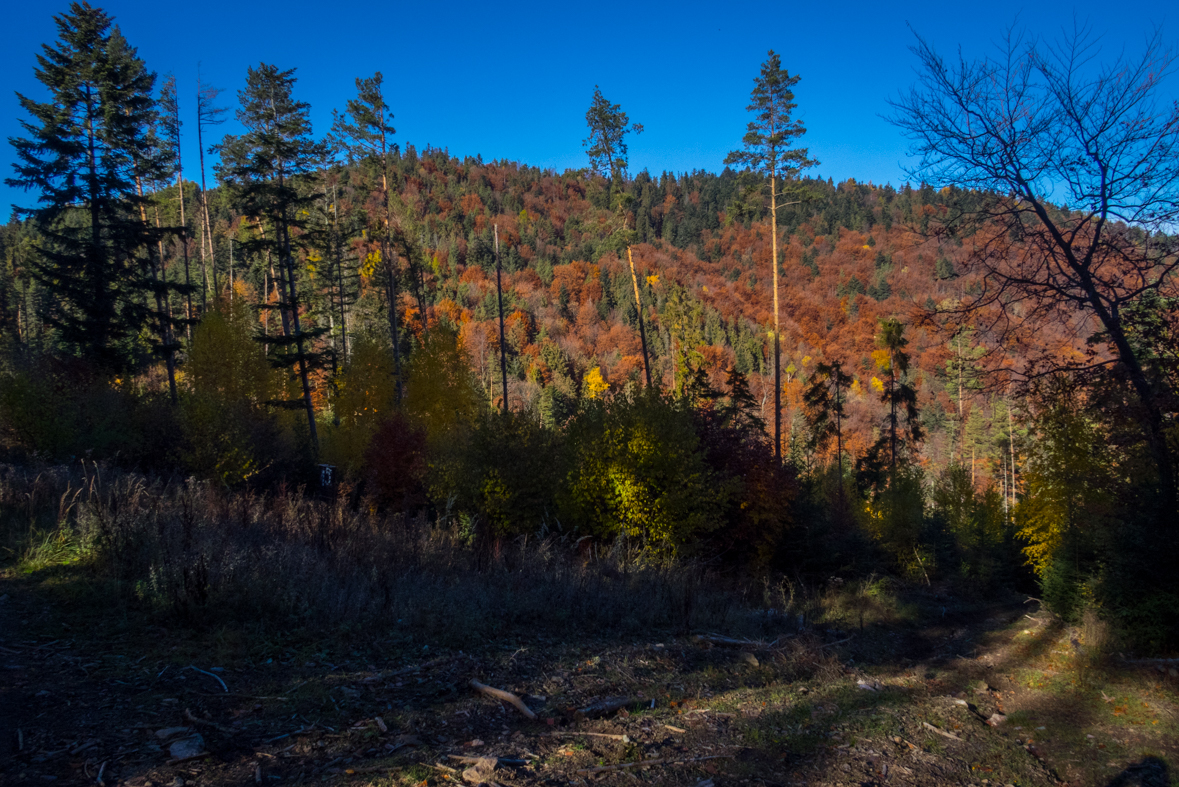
208, 114
1077, 162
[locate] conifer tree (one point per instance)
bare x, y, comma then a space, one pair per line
824, 400
606, 143
85, 148
898, 393
267, 169
364, 131
767, 152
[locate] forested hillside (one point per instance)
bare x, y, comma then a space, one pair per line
853, 255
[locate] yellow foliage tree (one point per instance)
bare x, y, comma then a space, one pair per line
229, 435
594, 385
1066, 478
440, 391
366, 392
226, 361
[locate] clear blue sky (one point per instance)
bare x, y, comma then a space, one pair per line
513, 80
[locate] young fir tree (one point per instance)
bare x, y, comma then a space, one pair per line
767, 152
267, 169
85, 148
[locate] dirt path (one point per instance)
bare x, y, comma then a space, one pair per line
902, 704
8, 693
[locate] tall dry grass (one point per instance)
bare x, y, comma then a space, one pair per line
184, 549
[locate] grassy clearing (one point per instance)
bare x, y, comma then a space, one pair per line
320, 620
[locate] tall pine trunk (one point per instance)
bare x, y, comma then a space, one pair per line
634, 280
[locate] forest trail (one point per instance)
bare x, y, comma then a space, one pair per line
898, 705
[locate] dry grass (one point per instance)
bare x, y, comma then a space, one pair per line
190, 550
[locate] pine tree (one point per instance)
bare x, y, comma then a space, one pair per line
267, 169
767, 152
606, 143
85, 149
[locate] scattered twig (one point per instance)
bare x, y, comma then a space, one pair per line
211, 675
505, 762
717, 639
178, 760
675, 729
643, 763
940, 731
303, 731
422, 666
838, 642
197, 720
98, 778
20, 740
243, 696
506, 696
575, 733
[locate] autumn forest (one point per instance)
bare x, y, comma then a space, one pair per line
971, 379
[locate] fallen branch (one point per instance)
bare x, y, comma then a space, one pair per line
940, 731
602, 707
575, 733
643, 763
506, 696
211, 675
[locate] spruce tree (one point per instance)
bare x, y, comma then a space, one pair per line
767, 152
86, 147
268, 169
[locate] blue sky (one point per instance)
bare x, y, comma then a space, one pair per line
514, 80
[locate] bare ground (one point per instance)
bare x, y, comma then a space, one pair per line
97, 696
